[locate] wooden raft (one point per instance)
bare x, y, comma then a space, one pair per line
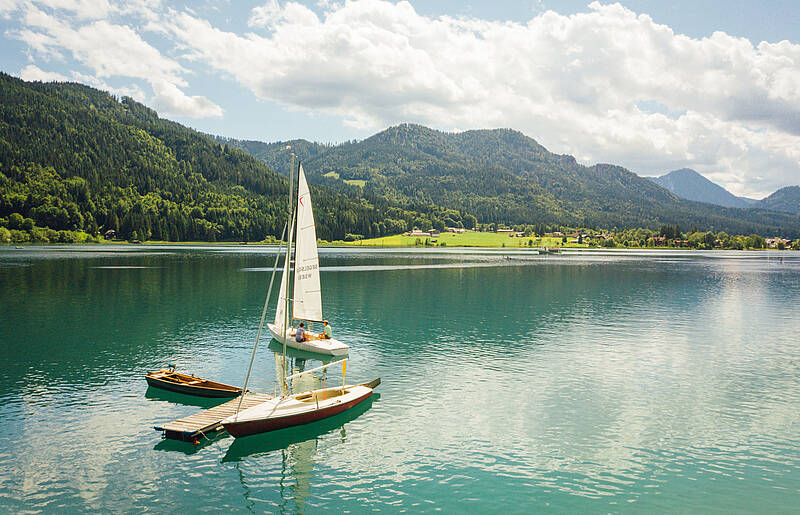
188, 429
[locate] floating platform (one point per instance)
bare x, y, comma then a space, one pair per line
189, 429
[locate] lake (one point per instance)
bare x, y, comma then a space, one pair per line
581, 382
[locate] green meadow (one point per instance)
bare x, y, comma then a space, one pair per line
467, 239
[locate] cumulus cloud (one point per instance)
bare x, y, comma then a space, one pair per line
8, 6
110, 50
133, 90
573, 82
82, 9
33, 72
608, 84
168, 98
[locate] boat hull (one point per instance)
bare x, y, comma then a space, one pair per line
331, 346
252, 427
204, 388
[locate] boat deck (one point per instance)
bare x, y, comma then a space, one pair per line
189, 429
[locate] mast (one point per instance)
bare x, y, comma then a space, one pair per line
286, 271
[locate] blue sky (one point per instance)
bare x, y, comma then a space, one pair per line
652, 86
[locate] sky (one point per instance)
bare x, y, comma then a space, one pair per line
649, 85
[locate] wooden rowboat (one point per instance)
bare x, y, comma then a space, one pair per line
168, 379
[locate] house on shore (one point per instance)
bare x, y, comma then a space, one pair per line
773, 243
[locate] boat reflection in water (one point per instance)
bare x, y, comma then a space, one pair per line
175, 398
288, 439
296, 446
298, 361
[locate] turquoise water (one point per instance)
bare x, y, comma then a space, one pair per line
603, 382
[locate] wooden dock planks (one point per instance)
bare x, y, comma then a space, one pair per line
188, 429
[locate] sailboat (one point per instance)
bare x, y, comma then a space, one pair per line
300, 408
306, 304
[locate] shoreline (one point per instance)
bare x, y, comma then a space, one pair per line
347, 245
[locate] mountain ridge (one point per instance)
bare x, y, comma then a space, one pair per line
786, 199
73, 158
504, 176
687, 183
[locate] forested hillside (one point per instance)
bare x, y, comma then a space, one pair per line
73, 158
503, 176
785, 199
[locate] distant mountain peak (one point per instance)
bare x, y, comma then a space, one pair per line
785, 199
687, 183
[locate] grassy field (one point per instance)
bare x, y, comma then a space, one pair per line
467, 239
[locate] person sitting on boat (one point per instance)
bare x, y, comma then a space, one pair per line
300, 334
326, 334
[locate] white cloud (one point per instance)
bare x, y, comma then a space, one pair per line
8, 6
133, 90
33, 72
573, 82
606, 85
112, 50
82, 9
168, 98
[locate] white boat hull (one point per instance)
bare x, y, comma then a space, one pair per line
330, 346
295, 410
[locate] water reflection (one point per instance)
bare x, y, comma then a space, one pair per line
298, 445
190, 448
158, 394
262, 445
299, 361
668, 380
296, 448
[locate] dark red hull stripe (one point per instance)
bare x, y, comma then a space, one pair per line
252, 427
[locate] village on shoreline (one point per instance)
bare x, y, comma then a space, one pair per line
668, 237
484, 235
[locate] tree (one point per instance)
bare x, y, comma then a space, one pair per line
15, 221
469, 221
754, 241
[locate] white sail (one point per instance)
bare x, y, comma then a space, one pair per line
307, 292
280, 309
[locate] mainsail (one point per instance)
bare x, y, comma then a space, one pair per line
280, 309
307, 291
